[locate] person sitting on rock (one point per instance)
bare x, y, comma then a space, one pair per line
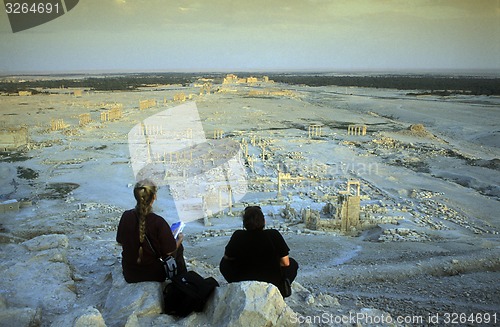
258, 254
144, 236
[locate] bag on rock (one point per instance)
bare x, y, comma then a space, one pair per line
186, 293
170, 266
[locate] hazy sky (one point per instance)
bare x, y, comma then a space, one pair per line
232, 35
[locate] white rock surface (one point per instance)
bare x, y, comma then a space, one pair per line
43, 278
125, 300
244, 304
19, 317
87, 317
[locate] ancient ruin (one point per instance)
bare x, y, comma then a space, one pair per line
146, 104
115, 113
180, 97
353, 207
230, 79
84, 119
349, 206
218, 134
205, 89
57, 124
315, 130
356, 130
13, 138
272, 92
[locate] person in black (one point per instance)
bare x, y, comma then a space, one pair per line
144, 236
258, 254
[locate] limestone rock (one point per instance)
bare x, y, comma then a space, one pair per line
40, 277
87, 317
244, 304
19, 317
45, 242
124, 299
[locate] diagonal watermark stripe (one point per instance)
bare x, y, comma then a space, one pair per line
204, 176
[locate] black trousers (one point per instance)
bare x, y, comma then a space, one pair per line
178, 255
229, 270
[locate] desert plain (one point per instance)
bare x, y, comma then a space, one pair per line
427, 243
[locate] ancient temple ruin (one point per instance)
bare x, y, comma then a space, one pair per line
348, 209
13, 138
356, 130
145, 104
344, 214
315, 130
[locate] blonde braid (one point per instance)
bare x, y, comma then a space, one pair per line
144, 193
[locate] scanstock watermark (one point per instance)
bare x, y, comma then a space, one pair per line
25, 14
205, 176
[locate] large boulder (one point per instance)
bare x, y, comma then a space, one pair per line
36, 275
86, 317
19, 317
125, 300
244, 304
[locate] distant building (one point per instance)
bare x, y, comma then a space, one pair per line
13, 138
230, 79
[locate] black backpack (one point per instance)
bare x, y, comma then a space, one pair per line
186, 293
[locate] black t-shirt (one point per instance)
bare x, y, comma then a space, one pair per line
257, 254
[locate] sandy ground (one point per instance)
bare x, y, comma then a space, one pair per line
442, 185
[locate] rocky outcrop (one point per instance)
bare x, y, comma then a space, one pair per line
125, 300
37, 278
18, 316
244, 304
87, 317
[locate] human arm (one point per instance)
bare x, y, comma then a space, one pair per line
285, 261
178, 242
281, 247
163, 235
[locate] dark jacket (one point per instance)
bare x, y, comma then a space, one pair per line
161, 238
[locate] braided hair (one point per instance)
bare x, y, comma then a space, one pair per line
144, 193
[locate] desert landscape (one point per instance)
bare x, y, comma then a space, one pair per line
389, 201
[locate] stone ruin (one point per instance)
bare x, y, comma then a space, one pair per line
349, 206
57, 124
13, 138
180, 97
218, 134
234, 79
230, 79
205, 88
356, 130
315, 130
84, 119
344, 216
146, 104
272, 92
115, 113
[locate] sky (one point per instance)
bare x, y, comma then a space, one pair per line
258, 35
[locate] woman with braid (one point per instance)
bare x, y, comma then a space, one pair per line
144, 236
